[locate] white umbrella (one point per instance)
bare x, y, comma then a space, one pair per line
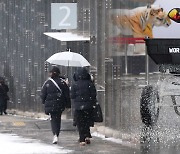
68, 59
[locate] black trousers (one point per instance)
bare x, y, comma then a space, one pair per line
2, 105
56, 123
1, 110
83, 121
5, 106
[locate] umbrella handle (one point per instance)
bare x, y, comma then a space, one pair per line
67, 79
68, 70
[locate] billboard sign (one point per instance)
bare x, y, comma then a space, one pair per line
63, 15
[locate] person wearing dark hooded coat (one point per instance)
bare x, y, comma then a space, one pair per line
55, 100
3, 96
83, 93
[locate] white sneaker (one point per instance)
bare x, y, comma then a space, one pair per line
55, 139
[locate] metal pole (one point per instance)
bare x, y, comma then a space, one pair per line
147, 65
126, 61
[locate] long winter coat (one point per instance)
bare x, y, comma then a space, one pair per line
83, 91
3, 94
54, 100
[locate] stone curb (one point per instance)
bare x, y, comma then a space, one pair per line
109, 132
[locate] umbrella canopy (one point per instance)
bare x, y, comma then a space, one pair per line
68, 59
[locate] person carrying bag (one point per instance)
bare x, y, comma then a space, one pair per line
83, 93
55, 97
97, 113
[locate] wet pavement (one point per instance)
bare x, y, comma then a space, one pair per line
40, 130
161, 139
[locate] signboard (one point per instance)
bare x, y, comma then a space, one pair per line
63, 15
174, 30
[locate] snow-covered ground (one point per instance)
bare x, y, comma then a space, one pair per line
96, 134
13, 144
114, 140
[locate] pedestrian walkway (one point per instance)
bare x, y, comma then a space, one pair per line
37, 131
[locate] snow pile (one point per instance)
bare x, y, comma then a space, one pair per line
114, 140
13, 144
96, 134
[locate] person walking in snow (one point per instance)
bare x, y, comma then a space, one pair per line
83, 93
56, 97
3, 96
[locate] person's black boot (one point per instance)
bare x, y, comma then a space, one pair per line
5, 112
87, 140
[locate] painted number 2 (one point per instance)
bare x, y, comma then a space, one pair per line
64, 20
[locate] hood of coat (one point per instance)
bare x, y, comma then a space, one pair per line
2, 80
82, 74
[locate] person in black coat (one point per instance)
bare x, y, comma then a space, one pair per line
3, 96
83, 93
55, 100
